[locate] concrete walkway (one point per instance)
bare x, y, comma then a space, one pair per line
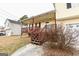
29, 50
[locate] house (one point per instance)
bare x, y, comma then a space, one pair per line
12, 27
67, 14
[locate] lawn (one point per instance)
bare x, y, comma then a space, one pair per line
9, 44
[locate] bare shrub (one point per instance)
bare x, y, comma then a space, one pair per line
66, 37
63, 38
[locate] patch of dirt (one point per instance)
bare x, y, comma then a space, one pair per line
76, 53
57, 52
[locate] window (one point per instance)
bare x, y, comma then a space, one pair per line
68, 5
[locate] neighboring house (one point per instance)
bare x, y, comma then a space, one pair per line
67, 14
12, 27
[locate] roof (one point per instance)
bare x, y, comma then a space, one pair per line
13, 21
44, 17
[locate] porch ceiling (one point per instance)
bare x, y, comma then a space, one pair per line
45, 17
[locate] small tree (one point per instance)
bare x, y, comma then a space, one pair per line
24, 17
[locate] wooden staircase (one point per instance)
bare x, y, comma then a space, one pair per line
35, 35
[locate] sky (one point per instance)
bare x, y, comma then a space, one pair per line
16, 10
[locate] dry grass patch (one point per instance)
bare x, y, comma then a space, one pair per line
12, 43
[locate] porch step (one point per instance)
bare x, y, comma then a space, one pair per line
37, 42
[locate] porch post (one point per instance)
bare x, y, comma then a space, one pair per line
39, 24
29, 26
55, 16
55, 24
33, 24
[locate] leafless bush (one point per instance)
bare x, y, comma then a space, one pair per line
63, 38
66, 37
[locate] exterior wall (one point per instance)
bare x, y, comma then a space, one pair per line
15, 29
8, 32
7, 28
67, 16
62, 12
70, 21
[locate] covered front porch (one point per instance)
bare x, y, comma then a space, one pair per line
39, 25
